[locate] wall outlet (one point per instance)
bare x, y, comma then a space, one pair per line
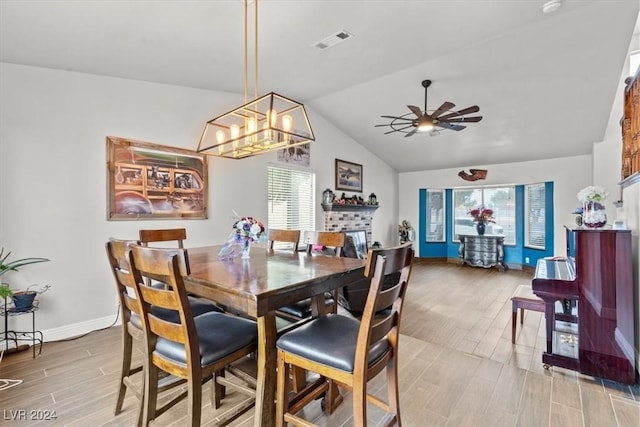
526, 260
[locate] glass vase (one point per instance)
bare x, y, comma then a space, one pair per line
594, 215
246, 249
480, 227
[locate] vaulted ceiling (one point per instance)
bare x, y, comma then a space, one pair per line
545, 83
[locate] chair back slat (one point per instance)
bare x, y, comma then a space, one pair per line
285, 236
331, 239
179, 235
383, 325
117, 253
388, 296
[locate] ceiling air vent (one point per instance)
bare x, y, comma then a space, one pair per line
333, 40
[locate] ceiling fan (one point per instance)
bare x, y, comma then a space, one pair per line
421, 121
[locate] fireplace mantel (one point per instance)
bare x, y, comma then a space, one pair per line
344, 208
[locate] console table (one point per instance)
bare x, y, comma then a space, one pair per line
482, 251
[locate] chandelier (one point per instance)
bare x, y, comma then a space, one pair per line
268, 123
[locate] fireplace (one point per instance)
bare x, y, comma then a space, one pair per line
349, 217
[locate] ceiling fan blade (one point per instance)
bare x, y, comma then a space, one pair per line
474, 119
468, 110
450, 126
397, 130
412, 132
415, 110
397, 118
446, 106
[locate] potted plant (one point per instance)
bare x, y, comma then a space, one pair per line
23, 300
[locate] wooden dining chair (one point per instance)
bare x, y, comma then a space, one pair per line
130, 313
292, 237
177, 236
328, 243
342, 349
195, 349
325, 242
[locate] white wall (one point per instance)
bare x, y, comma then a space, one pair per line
53, 126
569, 175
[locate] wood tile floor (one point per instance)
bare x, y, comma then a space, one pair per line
457, 367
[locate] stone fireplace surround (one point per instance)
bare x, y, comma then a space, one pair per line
349, 217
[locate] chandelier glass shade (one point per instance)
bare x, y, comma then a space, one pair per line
268, 123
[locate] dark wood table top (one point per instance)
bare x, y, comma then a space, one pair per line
269, 279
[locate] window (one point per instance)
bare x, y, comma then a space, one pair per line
291, 199
534, 220
435, 216
500, 199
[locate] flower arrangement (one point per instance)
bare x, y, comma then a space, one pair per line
592, 194
405, 231
592, 199
247, 228
482, 215
404, 227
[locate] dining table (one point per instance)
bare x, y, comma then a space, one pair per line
257, 287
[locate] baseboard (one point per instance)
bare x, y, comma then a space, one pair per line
82, 328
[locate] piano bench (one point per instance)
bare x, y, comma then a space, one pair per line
524, 299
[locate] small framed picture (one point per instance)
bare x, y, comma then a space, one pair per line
348, 176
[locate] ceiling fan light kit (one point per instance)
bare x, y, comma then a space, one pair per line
268, 123
419, 121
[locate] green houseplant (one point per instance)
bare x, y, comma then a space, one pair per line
6, 266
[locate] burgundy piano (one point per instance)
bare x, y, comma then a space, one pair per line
589, 305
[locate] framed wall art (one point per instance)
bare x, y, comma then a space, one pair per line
151, 181
299, 155
348, 176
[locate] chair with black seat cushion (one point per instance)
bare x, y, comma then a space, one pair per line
290, 237
177, 236
328, 243
130, 312
342, 349
196, 349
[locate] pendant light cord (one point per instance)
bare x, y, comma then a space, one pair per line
255, 58
246, 51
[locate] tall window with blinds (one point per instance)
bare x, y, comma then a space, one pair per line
435, 215
534, 229
291, 194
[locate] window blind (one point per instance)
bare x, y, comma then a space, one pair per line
534, 222
291, 199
